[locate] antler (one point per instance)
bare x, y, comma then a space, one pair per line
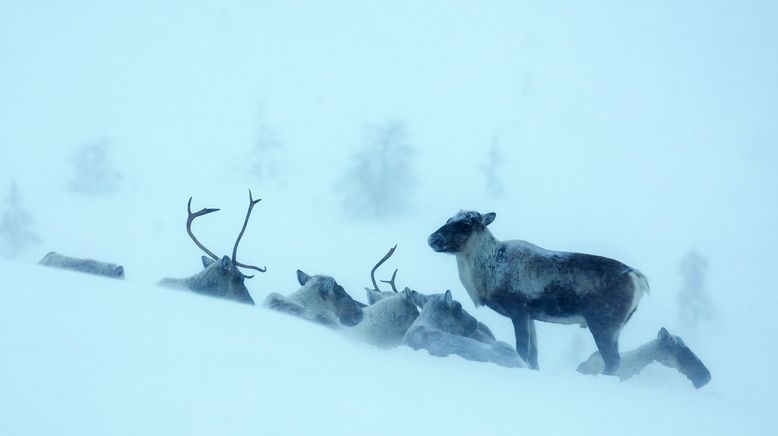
252, 203
391, 282
383, 259
191, 218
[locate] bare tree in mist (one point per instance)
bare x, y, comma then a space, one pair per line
15, 223
490, 169
93, 171
694, 303
380, 178
267, 153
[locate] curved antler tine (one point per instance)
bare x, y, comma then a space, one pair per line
191, 216
391, 282
380, 262
252, 203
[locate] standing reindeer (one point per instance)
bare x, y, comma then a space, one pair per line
220, 277
525, 283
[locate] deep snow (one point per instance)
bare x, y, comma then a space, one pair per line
87, 355
636, 132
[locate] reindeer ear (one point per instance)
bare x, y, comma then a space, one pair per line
302, 277
417, 298
487, 219
448, 298
207, 261
226, 263
663, 334
118, 271
372, 295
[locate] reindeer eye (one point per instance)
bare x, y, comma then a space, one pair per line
465, 225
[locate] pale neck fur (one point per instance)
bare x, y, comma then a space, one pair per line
632, 362
306, 297
471, 260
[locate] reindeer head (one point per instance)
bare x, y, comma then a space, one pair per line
441, 311
676, 354
221, 276
323, 293
452, 237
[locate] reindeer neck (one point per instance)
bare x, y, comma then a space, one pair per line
632, 362
426, 317
483, 241
204, 283
472, 262
305, 296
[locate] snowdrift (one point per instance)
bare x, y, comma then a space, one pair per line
88, 355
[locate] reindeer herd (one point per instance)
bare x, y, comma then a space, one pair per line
516, 279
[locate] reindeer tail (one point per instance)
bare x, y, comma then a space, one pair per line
640, 281
640, 287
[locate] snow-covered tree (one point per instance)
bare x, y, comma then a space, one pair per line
694, 303
380, 179
15, 226
93, 169
491, 167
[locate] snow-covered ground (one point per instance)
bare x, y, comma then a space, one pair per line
84, 355
634, 132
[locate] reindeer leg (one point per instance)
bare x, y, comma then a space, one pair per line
533, 346
607, 340
523, 327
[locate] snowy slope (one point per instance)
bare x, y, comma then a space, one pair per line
84, 355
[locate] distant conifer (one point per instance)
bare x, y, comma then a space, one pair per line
16, 235
380, 179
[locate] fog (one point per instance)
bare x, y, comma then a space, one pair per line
641, 133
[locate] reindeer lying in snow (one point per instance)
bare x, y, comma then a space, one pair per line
220, 277
525, 283
385, 322
388, 315
445, 328
320, 299
391, 315
667, 349
88, 266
